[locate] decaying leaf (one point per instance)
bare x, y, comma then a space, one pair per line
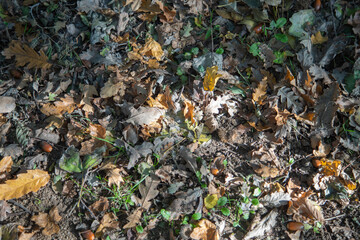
100, 206
260, 92
66, 104
152, 48
4, 210
318, 38
189, 111
258, 227
211, 78
265, 171
26, 55
205, 230
113, 173
275, 199
303, 208
31, 181
134, 218
48, 221
108, 221
5, 164
89, 91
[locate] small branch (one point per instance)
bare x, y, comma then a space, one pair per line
20, 206
338, 216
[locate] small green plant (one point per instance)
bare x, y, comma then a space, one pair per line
219, 51
139, 229
52, 96
254, 49
165, 214
196, 216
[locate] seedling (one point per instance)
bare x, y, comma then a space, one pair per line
165, 214
196, 216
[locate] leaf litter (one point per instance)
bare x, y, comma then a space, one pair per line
179, 120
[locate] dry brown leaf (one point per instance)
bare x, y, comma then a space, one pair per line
290, 77
113, 88
159, 102
168, 15
89, 91
281, 117
260, 92
148, 6
48, 221
205, 230
265, 171
152, 49
31, 181
4, 210
211, 78
168, 98
135, 4
66, 104
5, 164
189, 111
148, 191
96, 130
26, 55
322, 150
100, 206
318, 38
302, 207
113, 174
134, 218
108, 221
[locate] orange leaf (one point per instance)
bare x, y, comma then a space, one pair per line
31, 181
289, 76
189, 111
211, 78
152, 48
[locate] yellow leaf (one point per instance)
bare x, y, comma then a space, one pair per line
5, 164
205, 230
318, 38
26, 55
31, 181
210, 201
152, 48
330, 168
211, 78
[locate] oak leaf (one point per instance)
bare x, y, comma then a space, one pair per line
211, 78
31, 181
260, 92
67, 104
205, 230
48, 221
26, 55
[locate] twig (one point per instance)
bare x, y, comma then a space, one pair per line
332, 218
82, 186
20, 206
91, 212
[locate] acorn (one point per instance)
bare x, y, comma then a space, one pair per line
88, 235
295, 226
316, 163
259, 28
215, 171
46, 147
317, 5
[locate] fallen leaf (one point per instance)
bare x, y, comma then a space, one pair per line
4, 210
113, 173
265, 171
258, 227
100, 205
31, 181
318, 38
134, 218
152, 48
5, 164
210, 201
7, 104
89, 91
205, 230
260, 92
211, 78
189, 111
66, 104
135, 4
290, 77
48, 221
26, 55
108, 221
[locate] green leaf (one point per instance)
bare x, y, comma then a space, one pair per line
254, 49
349, 83
237, 90
94, 159
219, 51
225, 211
187, 55
70, 160
255, 201
195, 50
281, 37
187, 30
165, 214
185, 220
280, 22
280, 57
196, 216
222, 201
139, 229
246, 215
257, 192
52, 96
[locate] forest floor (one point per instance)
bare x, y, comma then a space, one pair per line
194, 119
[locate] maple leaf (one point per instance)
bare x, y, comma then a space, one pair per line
211, 78
26, 55
205, 230
48, 221
31, 181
